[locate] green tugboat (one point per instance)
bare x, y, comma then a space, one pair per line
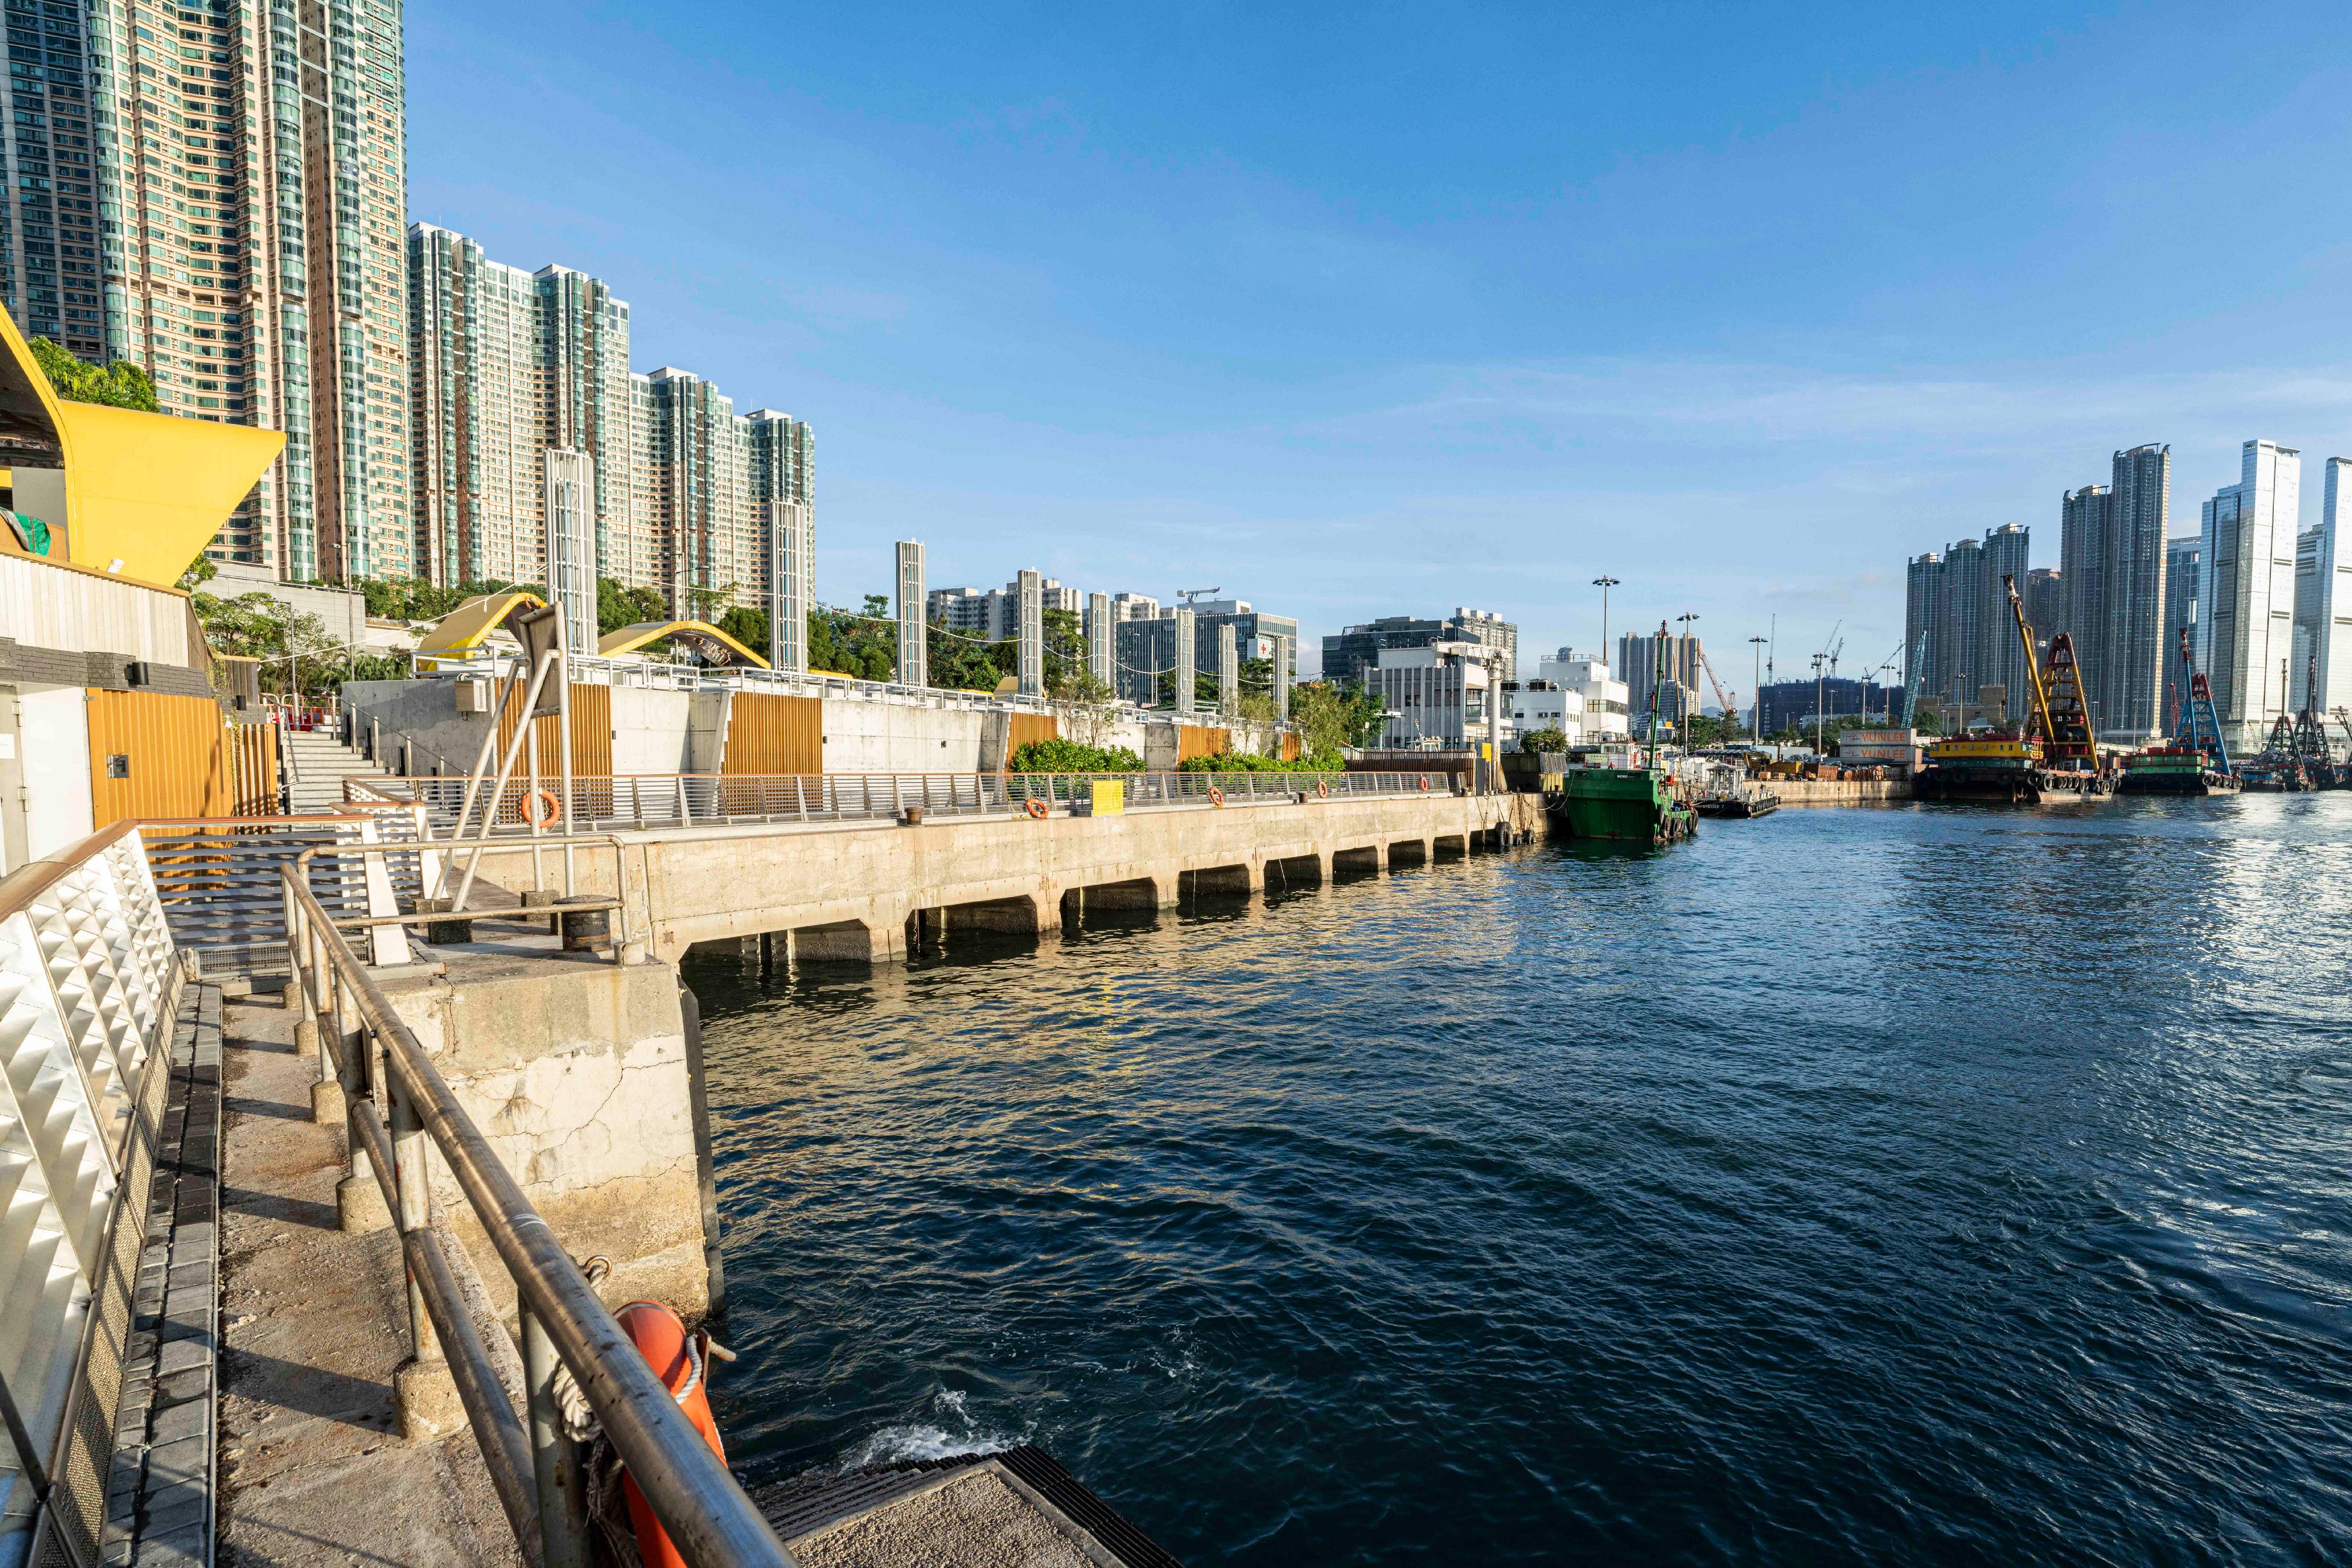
1636, 804
1641, 804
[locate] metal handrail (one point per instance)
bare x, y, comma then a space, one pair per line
707, 1514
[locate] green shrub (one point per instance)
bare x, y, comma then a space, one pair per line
1069, 757
1246, 762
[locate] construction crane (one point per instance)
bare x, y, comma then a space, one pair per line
1911, 678
2200, 729
2032, 664
1730, 708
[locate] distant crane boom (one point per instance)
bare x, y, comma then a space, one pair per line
1730, 708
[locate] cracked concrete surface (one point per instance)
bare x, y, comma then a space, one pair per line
314, 1472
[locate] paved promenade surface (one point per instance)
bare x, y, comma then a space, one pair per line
314, 1471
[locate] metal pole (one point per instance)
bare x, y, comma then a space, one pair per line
563, 739
1756, 722
1604, 582
506, 769
555, 1458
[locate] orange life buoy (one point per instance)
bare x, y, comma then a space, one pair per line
1323, 788
1037, 808
536, 818
677, 1359
1424, 783
1216, 796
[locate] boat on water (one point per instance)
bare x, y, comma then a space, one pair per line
1639, 804
1998, 769
2179, 770
1754, 800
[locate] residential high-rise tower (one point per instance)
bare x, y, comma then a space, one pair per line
2247, 592
251, 177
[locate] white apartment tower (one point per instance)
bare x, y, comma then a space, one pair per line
251, 180
2246, 592
2323, 630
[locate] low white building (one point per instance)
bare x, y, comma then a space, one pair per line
1539, 705
1604, 697
1438, 695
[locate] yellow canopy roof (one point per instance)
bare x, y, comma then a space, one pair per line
701, 635
464, 629
145, 493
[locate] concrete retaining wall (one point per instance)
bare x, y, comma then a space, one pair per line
1839, 791
578, 1072
855, 891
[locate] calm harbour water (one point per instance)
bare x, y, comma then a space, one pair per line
1909, 1184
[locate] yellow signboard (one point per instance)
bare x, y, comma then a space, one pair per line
1111, 798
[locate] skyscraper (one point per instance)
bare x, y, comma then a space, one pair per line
2044, 591
2327, 631
251, 180
480, 427
1964, 596
2000, 656
1922, 614
2246, 591
49, 227
2131, 644
2081, 570
2183, 559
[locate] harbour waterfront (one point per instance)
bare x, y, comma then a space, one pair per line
1908, 1184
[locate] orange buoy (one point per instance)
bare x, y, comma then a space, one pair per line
1037, 808
677, 1359
1323, 788
1216, 796
537, 817
1424, 783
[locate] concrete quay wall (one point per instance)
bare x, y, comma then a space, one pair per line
583, 1076
861, 893
1839, 791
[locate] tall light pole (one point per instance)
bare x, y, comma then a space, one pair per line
1604, 582
1686, 618
1756, 725
1819, 722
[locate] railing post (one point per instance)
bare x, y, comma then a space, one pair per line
555, 1458
359, 1200
424, 1390
685, 815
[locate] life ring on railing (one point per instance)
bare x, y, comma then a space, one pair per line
1035, 807
1323, 788
677, 1358
1424, 783
1216, 796
554, 812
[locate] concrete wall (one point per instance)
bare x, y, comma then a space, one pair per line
424, 712
650, 730
862, 884
1838, 791
883, 738
577, 1072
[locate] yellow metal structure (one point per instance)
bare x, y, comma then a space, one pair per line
701, 635
2009, 751
461, 634
145, 493
2032, 664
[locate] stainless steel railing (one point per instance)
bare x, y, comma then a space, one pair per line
395, 1101
678, 799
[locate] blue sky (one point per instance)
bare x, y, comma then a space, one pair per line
1368, 311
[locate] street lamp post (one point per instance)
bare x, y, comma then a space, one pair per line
1688, 686
1604, 582
1819, 720
1756, 725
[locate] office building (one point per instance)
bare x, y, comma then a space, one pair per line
2246, 591
2323, 610
251, 177
1605, 700
1438, 694
1794, 705
1144, 648
1532, 706
1349, 653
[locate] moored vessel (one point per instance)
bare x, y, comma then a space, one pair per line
1998, 769
1639, 804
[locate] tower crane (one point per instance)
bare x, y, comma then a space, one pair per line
1730, 708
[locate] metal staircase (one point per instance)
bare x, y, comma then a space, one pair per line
317, 763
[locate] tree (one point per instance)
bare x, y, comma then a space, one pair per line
1544, 740
618, 605
120, 384
849, 643
1329, 716
960, 662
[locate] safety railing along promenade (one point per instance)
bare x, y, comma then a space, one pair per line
680, 800
90, 978
88, 988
